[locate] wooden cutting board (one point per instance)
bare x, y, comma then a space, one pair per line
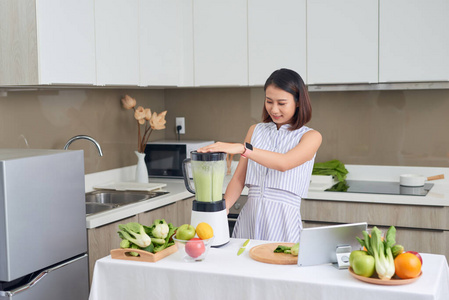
264, 253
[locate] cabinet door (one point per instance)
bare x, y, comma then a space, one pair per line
117, 42
276, 38
102, 239
166, 43
169, 213
66, 41
220, 42
184, 211
342, 41
414, 40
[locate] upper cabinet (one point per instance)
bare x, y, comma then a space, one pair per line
220, 42
117, 40
342, 41
166, 43
276, 38
47, 42
413, 41
187, 43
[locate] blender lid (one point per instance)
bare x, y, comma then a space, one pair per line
210, 156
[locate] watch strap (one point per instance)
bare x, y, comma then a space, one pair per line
248, 149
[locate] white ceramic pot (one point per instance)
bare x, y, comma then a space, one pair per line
416, 180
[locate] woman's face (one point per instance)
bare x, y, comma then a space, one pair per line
280, 105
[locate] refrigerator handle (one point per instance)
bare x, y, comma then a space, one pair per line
36, 279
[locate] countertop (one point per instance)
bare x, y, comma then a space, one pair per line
438, 195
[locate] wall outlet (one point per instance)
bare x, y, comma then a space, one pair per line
180, 121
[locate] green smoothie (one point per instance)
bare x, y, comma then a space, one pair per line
208, 178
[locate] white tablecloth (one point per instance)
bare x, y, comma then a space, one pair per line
224, 275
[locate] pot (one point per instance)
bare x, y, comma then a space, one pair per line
417, 180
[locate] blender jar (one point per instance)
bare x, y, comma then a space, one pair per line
208, 171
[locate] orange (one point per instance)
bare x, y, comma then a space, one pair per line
204, 231
407, 265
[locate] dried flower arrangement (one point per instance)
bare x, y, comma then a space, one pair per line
144, 117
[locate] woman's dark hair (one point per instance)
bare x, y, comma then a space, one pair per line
291, 82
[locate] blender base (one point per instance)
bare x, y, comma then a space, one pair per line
218, 220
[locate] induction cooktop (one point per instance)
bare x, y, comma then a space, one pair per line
379, 187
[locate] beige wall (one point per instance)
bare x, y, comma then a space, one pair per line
47, 119
376, 127
407, 128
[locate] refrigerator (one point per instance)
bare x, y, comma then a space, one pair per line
43, 238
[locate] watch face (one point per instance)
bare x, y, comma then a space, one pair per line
249, 146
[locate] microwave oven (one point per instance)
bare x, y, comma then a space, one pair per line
164, 158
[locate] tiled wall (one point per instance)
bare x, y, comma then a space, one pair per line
372, 127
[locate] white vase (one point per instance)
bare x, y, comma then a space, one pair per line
141, 169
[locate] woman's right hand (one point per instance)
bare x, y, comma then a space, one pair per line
230, 148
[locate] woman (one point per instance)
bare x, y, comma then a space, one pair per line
276, 162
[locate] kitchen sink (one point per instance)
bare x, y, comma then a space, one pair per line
99, 201
93, 208
113, 197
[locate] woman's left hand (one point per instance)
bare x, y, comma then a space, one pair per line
230, 148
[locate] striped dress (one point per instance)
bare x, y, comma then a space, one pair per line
272, 211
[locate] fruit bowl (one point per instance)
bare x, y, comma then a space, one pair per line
194, 249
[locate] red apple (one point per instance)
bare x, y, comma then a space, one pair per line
195, 247
417, 255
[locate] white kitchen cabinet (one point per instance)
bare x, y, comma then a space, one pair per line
166, 43
220, 42
47, 42
413, 40
342, 41
276, 38
117, 42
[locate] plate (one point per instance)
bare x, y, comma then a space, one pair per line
392, 281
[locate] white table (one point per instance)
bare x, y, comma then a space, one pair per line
224, 275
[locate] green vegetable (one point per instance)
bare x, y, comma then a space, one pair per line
157, 237
341, 186
282, 249
168, 239
295, 249
157, 241
160, 229
381, 250
135, 233
134, 253
397, 249
333, 167
125, 244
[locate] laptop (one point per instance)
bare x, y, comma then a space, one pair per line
322, 245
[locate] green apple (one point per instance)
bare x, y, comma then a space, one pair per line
355, 254
364, 265
185, 232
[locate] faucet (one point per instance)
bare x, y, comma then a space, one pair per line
84, 137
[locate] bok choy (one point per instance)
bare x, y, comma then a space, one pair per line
381, 250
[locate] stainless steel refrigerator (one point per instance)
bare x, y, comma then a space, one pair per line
43, 243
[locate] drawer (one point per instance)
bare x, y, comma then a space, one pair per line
412, 216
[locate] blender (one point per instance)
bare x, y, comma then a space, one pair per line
208, 171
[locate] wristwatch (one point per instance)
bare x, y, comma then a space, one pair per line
248, 149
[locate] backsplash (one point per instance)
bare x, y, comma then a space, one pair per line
397, 128
47, 119
371, 127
